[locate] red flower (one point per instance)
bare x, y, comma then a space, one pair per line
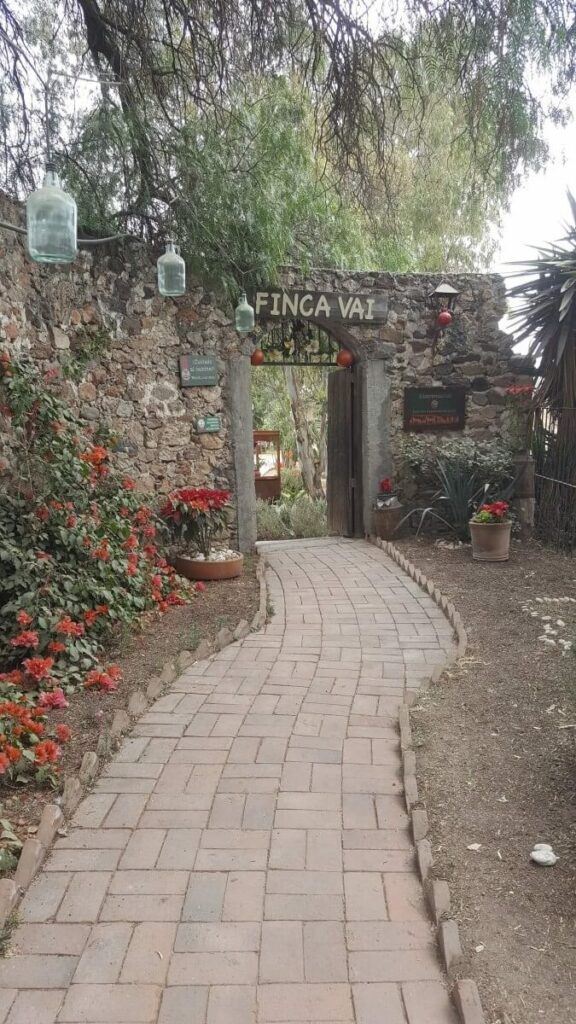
13, 753
71, 521
90, 617
4, 763
131, 542
103, 680
14, 678
102, 609
52, 373
95, 456
156, 581
102, 551
199, 586
53, 699
63, 732
28, 638
56, 647
42, 513
23, 619
385, 485
128, 484
46, 752
68, 627
38, 668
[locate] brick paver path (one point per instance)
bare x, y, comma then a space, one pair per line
246, 856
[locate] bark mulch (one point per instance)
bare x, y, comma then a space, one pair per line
497, 766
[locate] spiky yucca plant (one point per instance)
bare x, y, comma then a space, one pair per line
546, 317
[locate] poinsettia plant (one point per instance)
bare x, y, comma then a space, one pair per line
196, 516
494, 512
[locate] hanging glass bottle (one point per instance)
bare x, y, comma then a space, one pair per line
244, 315
51, 221
171, 271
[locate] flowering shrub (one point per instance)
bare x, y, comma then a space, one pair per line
196, 515
385, 486
494, 512
79, 554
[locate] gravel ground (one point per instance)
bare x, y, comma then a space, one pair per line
497, 767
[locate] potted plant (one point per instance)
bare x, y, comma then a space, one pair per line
490, 529
387, 511
195, 516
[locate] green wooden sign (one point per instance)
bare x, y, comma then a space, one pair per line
434, 409
198, 371
208, 424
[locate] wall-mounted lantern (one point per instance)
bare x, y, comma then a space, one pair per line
443, 300
244, 316
51, 221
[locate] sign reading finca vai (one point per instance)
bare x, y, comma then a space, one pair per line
320, 306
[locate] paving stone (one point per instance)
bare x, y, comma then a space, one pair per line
304, 908
238, 968
365, 900
44, 897
148, 955
369, 1001
34, 1007
148, 883
405, 898
205, 897
84, 896
143, 849
225, 937
31, 971
427, 1002
230, 1003
305, 1003
113, 1004
142, 908
184, 1005
244, 899
288, 849
50, 938
82, 860
325, 956
102, 958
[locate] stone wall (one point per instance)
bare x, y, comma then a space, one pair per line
103, 321
118, 342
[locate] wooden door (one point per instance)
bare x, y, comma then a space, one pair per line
340, 468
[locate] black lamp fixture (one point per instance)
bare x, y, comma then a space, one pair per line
443, 300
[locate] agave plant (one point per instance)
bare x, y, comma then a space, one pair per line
545, 316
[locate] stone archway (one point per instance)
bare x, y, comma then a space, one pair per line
370, 427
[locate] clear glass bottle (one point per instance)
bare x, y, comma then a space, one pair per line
51, 222
171, 271
244, 315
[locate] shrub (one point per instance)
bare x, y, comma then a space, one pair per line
308, 517
270, 525
78, 555
292, 485
490, 461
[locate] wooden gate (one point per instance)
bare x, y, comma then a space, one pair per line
343, 491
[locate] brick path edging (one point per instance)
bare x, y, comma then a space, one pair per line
54, 815
464, 991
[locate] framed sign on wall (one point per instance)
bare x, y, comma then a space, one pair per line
434, 409
198, 371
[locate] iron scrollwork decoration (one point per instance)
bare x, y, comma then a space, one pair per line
298, 343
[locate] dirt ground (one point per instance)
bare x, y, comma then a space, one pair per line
497, 767
140, 654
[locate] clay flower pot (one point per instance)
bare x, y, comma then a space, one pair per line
204, 569
490, 541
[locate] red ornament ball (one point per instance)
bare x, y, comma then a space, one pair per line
345, 358
257, 357
444, 318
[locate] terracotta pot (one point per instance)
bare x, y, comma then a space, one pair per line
490, 541
385, 521
195, 569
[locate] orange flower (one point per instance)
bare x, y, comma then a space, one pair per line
28, 638
63, 732
68, 627
56, 647
46, 752
23, 619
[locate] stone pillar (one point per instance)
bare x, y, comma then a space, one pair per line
375, 432
240, 405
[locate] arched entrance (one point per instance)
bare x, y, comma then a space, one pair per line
360, 400
305, 343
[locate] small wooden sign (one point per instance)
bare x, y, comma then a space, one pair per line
208, 424
434, 409
320, 306
198, 371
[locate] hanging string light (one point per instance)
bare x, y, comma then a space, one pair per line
171, 271
244, 316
